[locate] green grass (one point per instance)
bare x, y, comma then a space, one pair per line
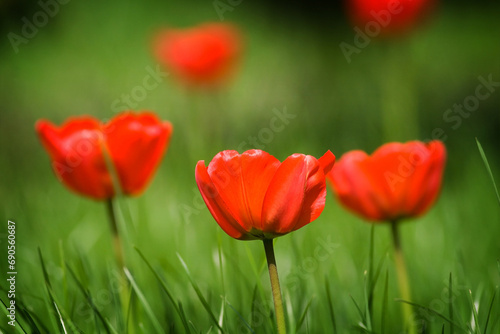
184, 275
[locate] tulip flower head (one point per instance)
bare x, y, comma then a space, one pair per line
205, 55
255, 196
388, 17
134, 144
397, 181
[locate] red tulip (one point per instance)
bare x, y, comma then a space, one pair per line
134, 143
396, 181
391, 16
204, 55
255, 196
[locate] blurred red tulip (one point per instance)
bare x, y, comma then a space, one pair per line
396, 181
391, 16
135, 144
255, 196
205, 55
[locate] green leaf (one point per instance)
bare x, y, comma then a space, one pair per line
247, 325
385, 302
90, 301
363, 319
64, 318
303, 316
330, 305
26, 314
54, 319
142, 298
371, 284
367, 306
489, 311
362, 329
61, 319
450, 302
19, 328
199, 294
431, 311
256, 271
485, 160
177, 307
477, 330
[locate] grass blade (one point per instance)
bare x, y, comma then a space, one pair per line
167, 291
90, 301
450, 303
330, 305
199, 294
64, 319
363, 320
385, 302
367, 306
142, 298
256, 271
184, 318
30, 320
303, 316
371, 283
255, 313
489, 311
219, 249
19, 328
61, 319
221, 268
129, 311
247, 325
432, 311
476, 328
362, 329
54, 320
485, 160
221, 314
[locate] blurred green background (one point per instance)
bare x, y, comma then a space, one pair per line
396, 89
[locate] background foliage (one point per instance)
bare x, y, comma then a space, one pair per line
90, 53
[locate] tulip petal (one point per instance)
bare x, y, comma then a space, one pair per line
385, 182
136, 144
353, 187
327, 161
408, 165
242, 181
75, 149
296, 195
397, 181
428, 178
216, 205
257, 171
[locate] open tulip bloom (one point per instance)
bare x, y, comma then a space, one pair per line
85, 154
255, 196
397, 181
205, 55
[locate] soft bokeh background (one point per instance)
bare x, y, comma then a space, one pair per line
91, 53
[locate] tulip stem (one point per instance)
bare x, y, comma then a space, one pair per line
402, 274
118, 250
275, 285
117, 244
